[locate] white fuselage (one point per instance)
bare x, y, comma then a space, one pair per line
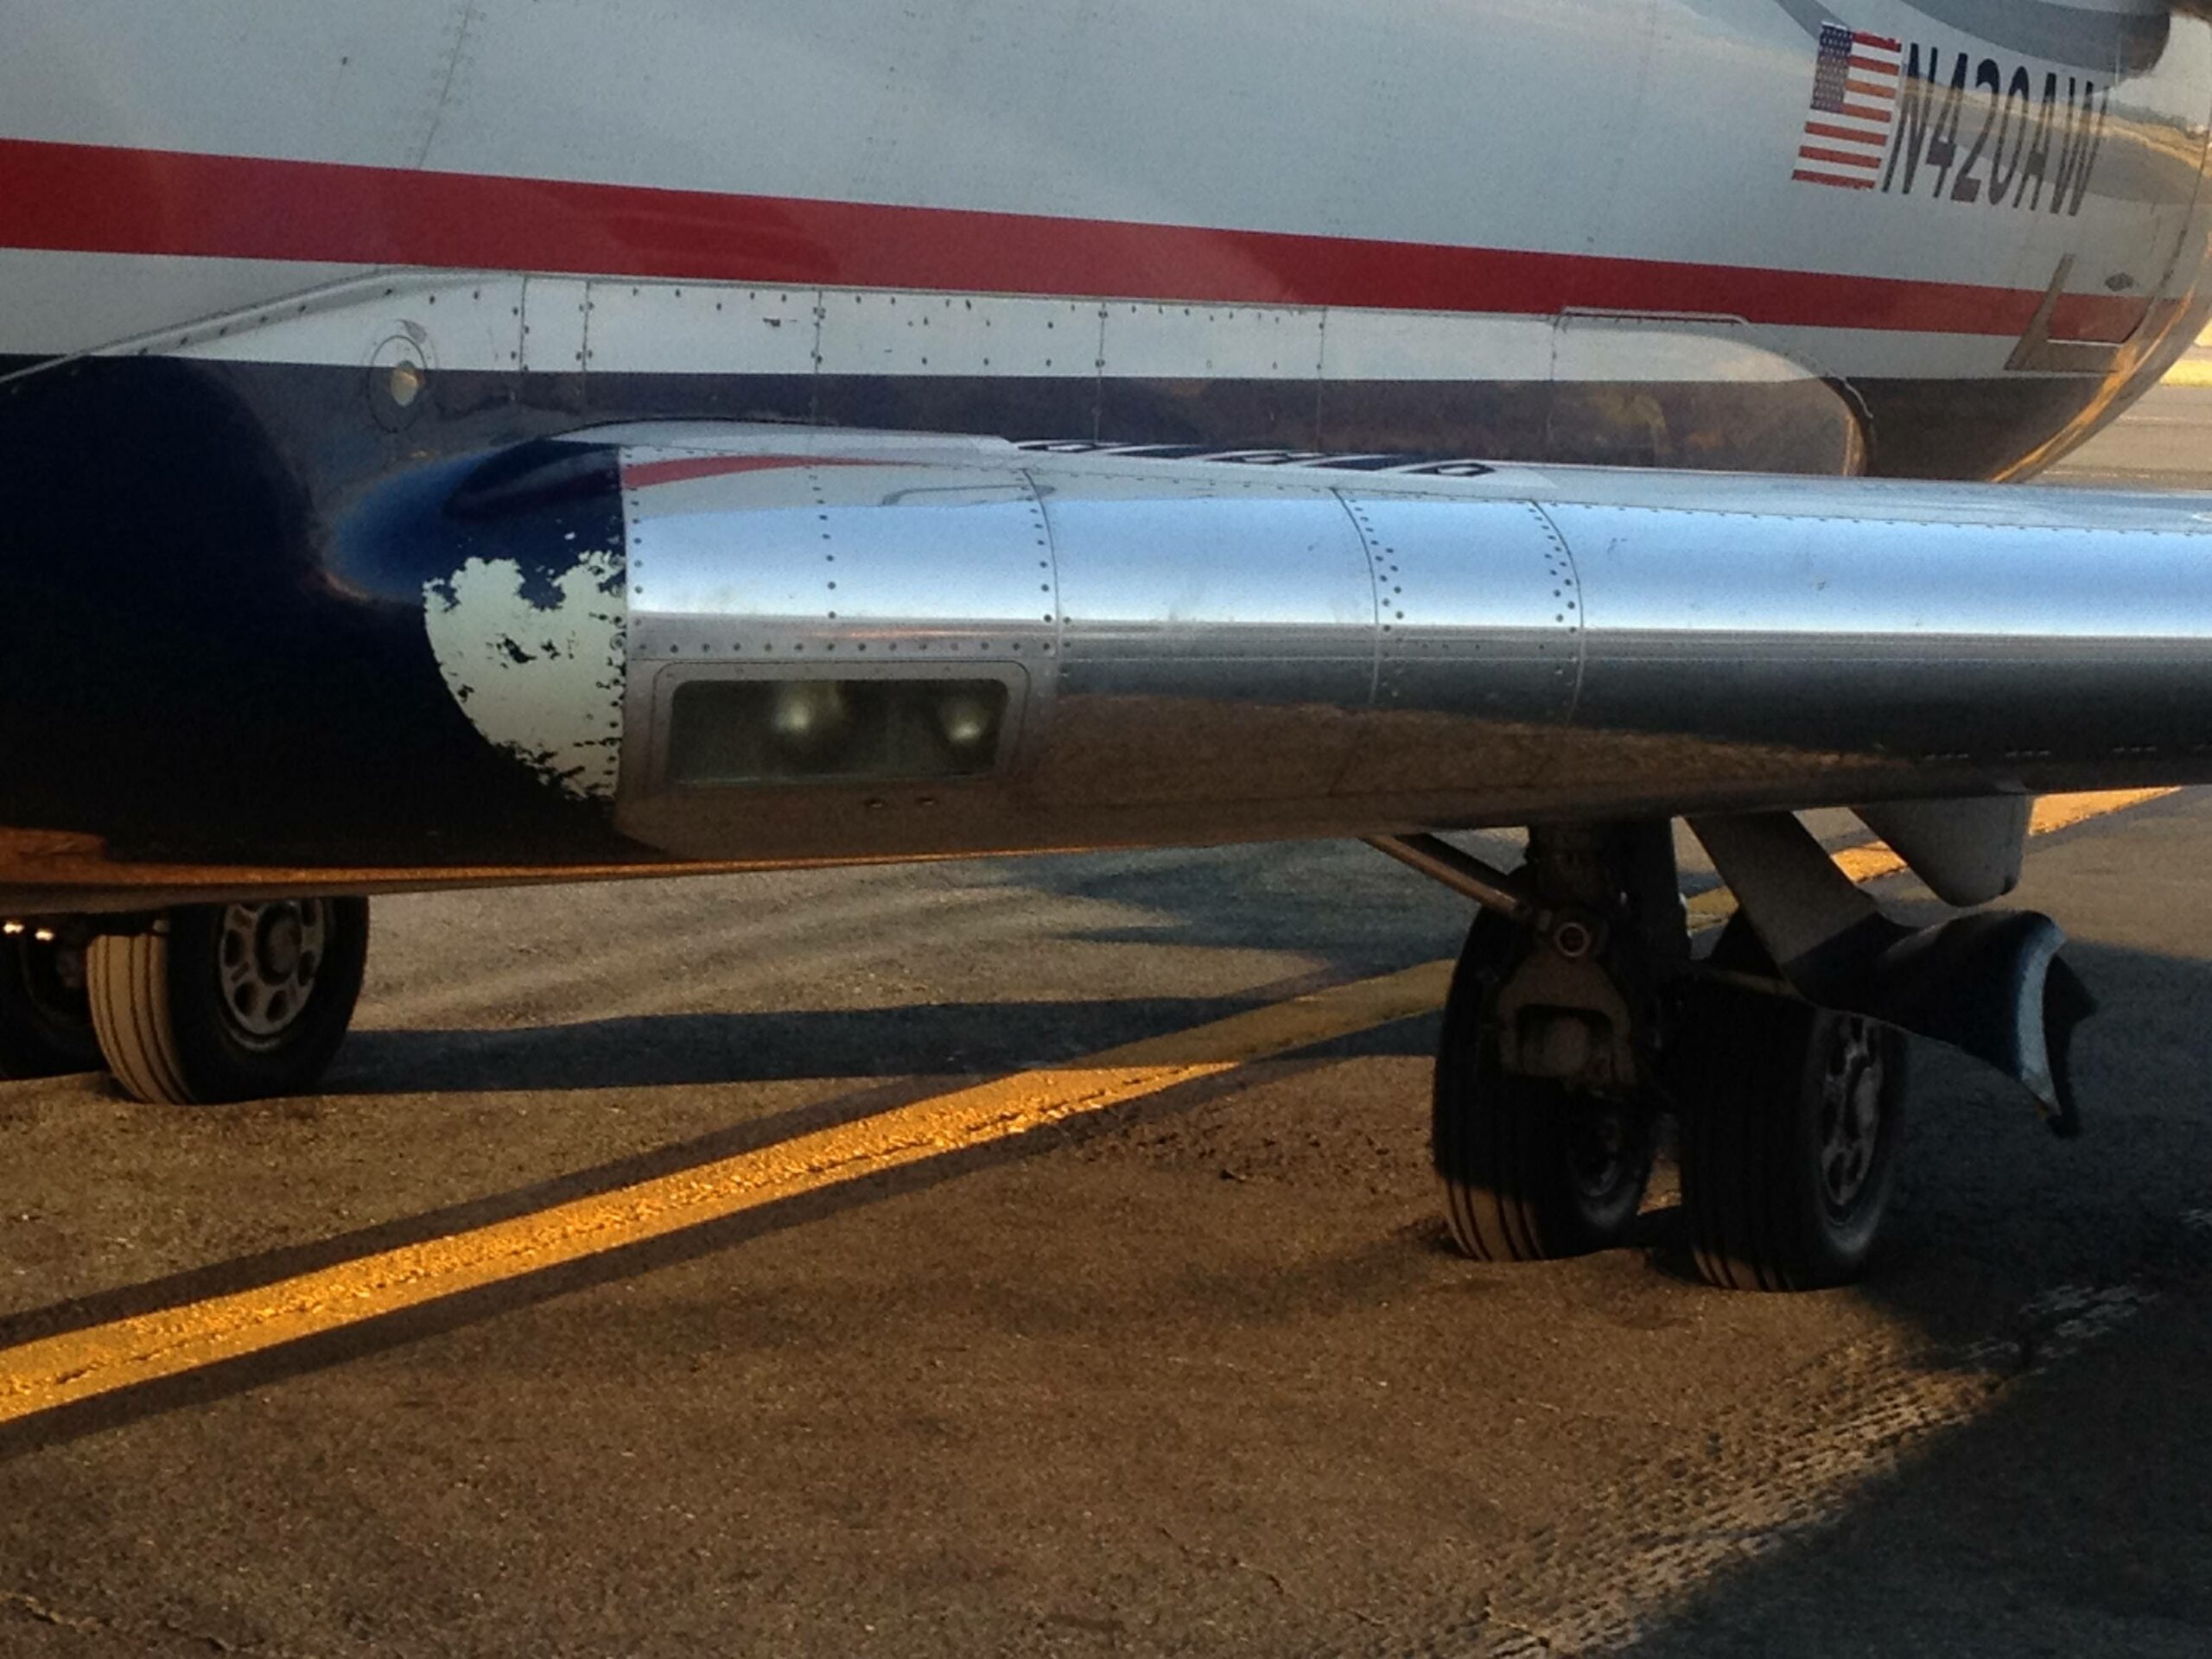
1417, 193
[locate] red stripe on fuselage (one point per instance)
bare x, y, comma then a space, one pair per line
1848, 158
1858, 135
649, 474
94, 199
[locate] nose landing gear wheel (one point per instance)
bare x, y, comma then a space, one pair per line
227, 1002
1791, 1117
46, 1025
1531, 1170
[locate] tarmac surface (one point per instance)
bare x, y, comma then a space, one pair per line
1174, 1359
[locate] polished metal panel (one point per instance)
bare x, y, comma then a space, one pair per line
827, 547
2012, 651
1480, 626
1239, 595
1206, 650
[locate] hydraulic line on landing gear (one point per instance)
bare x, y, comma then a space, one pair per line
1465, 874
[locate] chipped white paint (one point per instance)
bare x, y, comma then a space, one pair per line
537, 663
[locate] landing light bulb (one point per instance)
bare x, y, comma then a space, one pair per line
808, 719
968, 721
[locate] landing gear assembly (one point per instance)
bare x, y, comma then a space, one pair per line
1790, 1117
1542, 1115
1580, 1018
1532, 1167
199, 1005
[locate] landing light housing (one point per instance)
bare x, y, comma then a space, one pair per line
734, 732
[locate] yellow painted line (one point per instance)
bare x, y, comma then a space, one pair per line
41, 1376
1710, 908
2190, 372
1873, 859
2056, 812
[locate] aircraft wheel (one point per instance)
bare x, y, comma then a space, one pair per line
1791, 1121
1532, 1171
46, 1022
228, 1002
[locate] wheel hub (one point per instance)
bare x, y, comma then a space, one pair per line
1601, 1150
1851, 1114
269, 957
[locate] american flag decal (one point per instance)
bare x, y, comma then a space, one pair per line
1854, 105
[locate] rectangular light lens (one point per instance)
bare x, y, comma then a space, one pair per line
735, 732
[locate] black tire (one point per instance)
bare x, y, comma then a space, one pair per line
1532, 1171
185, 1019
46, 1020
1792, 1120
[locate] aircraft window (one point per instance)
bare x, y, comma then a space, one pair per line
725, 732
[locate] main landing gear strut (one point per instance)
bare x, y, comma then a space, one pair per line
203, 1004
1579, 1015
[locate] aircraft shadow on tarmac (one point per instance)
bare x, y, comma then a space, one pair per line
1359, 912
1349, 917
2069, 1518
652, 1051
2070, 1514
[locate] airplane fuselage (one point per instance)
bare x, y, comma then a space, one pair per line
261, 269
1635, 230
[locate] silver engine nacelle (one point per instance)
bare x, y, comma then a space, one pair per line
836, 645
